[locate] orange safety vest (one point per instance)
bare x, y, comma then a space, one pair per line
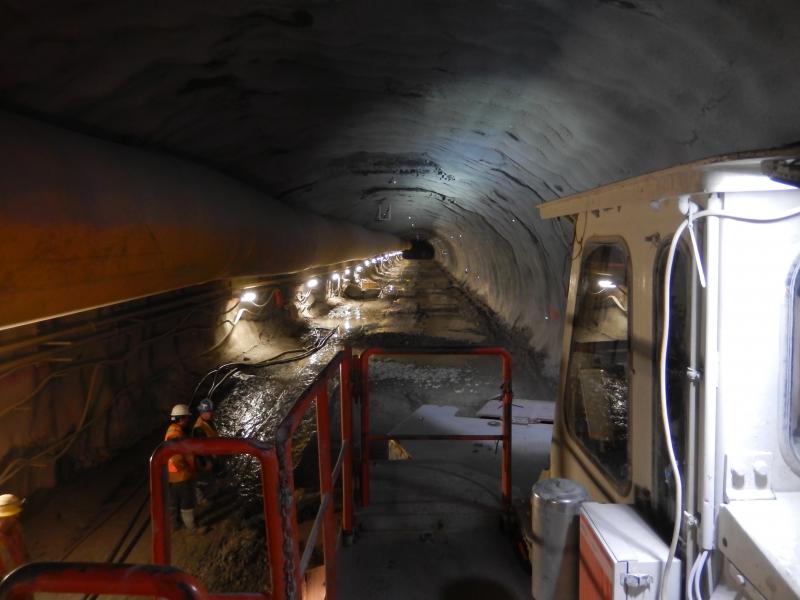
12, 550
179, 466
206, 427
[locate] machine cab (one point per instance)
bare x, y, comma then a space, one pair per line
730, 371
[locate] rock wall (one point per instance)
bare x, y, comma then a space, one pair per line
76, 390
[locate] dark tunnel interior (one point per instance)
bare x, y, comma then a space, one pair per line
420, 250
209, 200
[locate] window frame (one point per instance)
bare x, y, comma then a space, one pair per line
691, 392
790, 418
622, 488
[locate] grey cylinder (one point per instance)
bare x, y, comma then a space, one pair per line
555, 506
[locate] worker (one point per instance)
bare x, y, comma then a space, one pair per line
209, 469
13, 552
181, 470
204, 425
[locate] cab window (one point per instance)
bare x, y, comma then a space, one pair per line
597, 398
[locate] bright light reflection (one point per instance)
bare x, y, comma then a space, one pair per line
359, 268
312, 283
346, 272
249, 297
606, 284
335, 277
745, 182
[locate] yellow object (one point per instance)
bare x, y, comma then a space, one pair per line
10, 505
397, 452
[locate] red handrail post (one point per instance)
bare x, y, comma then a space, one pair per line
159, 526
274, 523
346, 407
291, 543
365, 427
326, 518
326, 491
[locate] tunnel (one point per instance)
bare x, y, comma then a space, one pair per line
211, 200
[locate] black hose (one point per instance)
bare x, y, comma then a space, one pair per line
134, 540
275, 360
112, 558
102, 521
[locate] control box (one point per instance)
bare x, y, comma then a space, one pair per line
621, 557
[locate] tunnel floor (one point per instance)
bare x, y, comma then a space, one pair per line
85, 519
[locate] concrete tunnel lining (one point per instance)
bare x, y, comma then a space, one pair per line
92, 223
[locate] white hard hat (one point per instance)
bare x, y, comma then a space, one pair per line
10, 505
180, 410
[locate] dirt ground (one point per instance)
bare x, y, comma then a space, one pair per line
103, 514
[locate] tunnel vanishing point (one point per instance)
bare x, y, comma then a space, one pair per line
158, 160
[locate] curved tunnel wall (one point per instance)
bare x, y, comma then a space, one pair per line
85, 223
519, 273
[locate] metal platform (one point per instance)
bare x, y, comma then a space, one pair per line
530, 447
432, 531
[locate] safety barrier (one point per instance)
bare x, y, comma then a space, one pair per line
275, 519
326, 519
99, 578
366, 437
280, 514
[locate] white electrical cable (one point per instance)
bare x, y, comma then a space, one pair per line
690, 579
698, 595
696, 251
710, 579
662, 368
722, 214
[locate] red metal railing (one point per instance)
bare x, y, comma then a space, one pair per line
366, 437
275, 524
326, 519
99, 578
280, 514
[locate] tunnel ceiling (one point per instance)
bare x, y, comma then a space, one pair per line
450, 118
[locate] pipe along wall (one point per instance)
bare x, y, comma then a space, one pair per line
120, 271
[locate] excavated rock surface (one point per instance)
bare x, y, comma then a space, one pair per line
452, 120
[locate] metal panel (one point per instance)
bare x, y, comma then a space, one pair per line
760, 537
621, 553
